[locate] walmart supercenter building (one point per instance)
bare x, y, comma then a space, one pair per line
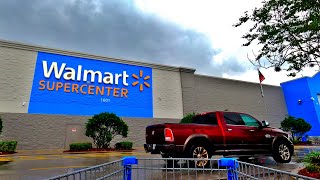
47, 95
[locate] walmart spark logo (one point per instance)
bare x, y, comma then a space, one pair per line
144, 80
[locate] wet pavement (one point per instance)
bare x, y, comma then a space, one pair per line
41, 166
45, 166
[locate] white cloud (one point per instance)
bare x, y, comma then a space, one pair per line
194, 33
271, 77
215, 18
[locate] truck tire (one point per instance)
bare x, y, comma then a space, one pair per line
281, 151
200, 151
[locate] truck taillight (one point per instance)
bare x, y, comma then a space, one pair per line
168, 135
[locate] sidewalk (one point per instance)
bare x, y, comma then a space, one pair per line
60, 151
316, 146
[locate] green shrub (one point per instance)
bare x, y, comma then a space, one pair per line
80, 146
298, 127
295, 141
188, 118
309, 142
125, 145
103, 127
312, 161
301, 142
313, 168
8, 146
313, 158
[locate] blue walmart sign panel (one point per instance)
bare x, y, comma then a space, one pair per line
79, 86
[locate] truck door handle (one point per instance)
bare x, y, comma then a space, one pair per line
251, 130
229, 129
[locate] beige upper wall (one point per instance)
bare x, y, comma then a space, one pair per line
167, 94
203, 93
16, 67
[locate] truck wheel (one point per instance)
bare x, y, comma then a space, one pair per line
282, 152
200, 151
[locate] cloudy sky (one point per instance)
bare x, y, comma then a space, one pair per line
195, 33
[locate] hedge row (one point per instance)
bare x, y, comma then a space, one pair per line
80, 146
125, 145
8, 146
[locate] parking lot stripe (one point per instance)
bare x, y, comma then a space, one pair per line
57, 167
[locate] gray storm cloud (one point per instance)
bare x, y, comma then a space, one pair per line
113, 28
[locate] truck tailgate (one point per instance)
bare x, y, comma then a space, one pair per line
155, 134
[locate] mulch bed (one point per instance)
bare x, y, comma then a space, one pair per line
305, 144
5, 153
99, 150
305, 172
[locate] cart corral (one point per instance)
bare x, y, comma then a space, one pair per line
132, 168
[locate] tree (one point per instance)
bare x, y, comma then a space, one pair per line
288, 32
104, 127
297, 126
188, 118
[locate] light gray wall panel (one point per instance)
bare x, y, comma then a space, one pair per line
204, 93
55, 131
167, 94
17, 70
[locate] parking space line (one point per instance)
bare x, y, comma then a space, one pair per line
34, 158
57, 167
69, 157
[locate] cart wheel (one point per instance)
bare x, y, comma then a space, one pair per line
200, 151
282, 152
168, 161
244, 158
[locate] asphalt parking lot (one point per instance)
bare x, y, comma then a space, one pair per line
43, 165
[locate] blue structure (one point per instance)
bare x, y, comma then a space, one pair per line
232, 165
302, 97
127, 163
79, 86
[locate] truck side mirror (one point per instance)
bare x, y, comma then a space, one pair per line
265, 124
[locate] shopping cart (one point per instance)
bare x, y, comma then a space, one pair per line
132, 168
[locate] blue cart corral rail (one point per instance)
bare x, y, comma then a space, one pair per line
132, 168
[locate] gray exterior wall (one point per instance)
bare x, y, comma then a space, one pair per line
203, 93
55, 131
176, 91
16, 67
167, 94
32, 131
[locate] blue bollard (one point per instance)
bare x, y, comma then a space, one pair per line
126, 163
232, 165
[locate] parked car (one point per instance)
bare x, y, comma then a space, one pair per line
219, 133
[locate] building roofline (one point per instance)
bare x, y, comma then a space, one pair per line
235, 80
300, 78
29, 47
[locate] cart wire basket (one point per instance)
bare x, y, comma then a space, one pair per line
132, 168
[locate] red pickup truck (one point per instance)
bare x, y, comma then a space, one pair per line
219, 133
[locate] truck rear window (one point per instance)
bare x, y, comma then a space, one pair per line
233, 119
209, 118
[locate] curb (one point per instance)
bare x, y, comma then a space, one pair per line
89, 152
4, 160
31, 153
